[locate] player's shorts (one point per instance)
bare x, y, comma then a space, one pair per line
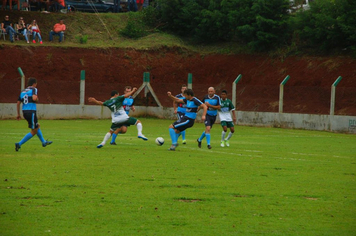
180, 115
209, 120
228, 124
183, 124
31, 118
130, 121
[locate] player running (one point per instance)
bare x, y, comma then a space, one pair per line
119, 118
212, 101
179, 109
225, 118
29, 98
187, 121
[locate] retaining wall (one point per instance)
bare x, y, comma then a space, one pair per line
334, 123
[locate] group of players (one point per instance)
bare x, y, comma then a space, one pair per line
185, 106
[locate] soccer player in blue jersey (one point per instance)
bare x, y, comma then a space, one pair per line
29, 98
129, 101
179, 109
193, 104
212, 101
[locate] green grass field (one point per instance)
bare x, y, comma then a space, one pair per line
268, 182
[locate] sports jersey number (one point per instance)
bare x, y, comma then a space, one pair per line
25, 99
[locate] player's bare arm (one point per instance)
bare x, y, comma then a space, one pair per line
233, 116
175, 99
205, 109
217, 107
18, 110
93, 100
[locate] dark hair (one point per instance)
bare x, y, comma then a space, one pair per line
184, 85
224, 91
113, 93
128, 87
31, 81
188, 92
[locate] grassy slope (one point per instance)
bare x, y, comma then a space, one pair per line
102, 31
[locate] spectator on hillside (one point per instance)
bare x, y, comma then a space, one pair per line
4, 3
22, 29
58, 29
35, 29
117, 6
139, 4
132, 5
59, 5
6, 26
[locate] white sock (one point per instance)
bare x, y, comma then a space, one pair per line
139, 129
229, 136
106, 138
223, 133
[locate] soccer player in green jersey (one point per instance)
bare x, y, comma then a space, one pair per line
120, 120
225, 118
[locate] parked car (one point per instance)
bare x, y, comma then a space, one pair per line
90, 5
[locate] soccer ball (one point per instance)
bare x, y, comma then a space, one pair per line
159, 141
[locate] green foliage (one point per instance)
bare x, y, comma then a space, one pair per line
82, 39
140, 24
260, 24
328, 25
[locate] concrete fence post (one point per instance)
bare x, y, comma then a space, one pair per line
281, 93
234, 92
333, 91
82, 87
22, 78
190, 81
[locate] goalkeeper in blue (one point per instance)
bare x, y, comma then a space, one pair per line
225, 118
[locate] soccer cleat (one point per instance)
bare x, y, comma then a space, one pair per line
41, 42
209, 147
17, 147
113, 143
184, 141
33, 41
222, 144
100, 145
173, 147
46, 143
143, 137
227, 143
199, 143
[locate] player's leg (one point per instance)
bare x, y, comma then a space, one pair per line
121, 130
134, 121
223, 133
30, 118
232, 130
173, 135
106, 138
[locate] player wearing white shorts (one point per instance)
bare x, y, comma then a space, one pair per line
225, 118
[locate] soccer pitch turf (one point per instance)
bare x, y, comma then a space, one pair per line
268, 182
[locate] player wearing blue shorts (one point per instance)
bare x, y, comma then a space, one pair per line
128, 103
192, 106
179, 109
120, 120
212, 101
29, 98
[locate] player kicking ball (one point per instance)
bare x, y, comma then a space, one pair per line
225, 118
193, 104
119, 118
